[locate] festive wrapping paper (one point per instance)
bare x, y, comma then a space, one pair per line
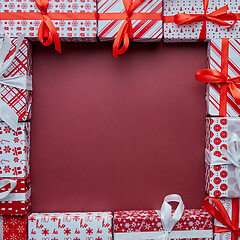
145, 29
71, 27
221, 180
146, 224
191, 31
14, 150
59, 226
15, 196
19, 100
13, 227
215, 61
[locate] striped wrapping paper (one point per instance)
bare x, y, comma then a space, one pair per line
214, 62
143, 30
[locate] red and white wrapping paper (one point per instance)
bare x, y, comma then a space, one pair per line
146, 224
15, 196
68, 30
14, 150
13, 227
221, 180
190, 32
214, 62
59, 226
143, 30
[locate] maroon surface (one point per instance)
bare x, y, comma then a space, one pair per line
113, 134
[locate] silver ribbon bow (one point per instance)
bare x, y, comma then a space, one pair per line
22, 82
232, 156
5, 182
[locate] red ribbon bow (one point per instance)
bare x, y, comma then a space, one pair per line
220, 16
219, 212
47, 32
125, 32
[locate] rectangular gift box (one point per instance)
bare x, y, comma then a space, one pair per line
190, 32
220, 179
13, 227
19, 100
139, 224
15, 196
143, 29
14, 150
59, 226
23, 16
215, 58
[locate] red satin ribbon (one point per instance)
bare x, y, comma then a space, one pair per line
219, 212
214, 76
219, 16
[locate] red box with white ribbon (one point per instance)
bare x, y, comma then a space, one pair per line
14, 150
59, 226
15, 196
13, 227
222, 151
191, 20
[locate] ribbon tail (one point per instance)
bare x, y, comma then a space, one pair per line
203, 32
234, 92
5, 182
237, 176
22, 82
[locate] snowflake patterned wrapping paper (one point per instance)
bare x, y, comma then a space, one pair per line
13, 227
216, 61
18, 73
76, 226
14, 150
146, 224
144, 28
73, 20
15, 196
221, 180
193, 25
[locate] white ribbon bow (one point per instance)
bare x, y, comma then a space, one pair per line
5, 182
232, 156
22, 82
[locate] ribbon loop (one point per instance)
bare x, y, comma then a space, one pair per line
4, 183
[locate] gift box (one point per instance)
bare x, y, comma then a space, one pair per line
191, 20
14, 150
15, 80
15, 196
222, 163
13, 227
155, 224
226, 217
59, 226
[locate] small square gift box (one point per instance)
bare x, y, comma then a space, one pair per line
191, 20
222, 78
14, 227
125, 20
14, 150
226, 217
15, 80
59, 226
50, 20
164, 224
222, 157
15, 196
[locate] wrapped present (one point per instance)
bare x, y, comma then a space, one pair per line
48, 20
13, 227
14, 150
15, 80
223, 78
164, 224
59, 226
15, 196
126, 19
222, 157
191, 20
226, 217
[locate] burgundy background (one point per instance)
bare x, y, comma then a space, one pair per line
113, 134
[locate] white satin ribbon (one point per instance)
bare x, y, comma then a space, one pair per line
5, 182
232, 156
22, 82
